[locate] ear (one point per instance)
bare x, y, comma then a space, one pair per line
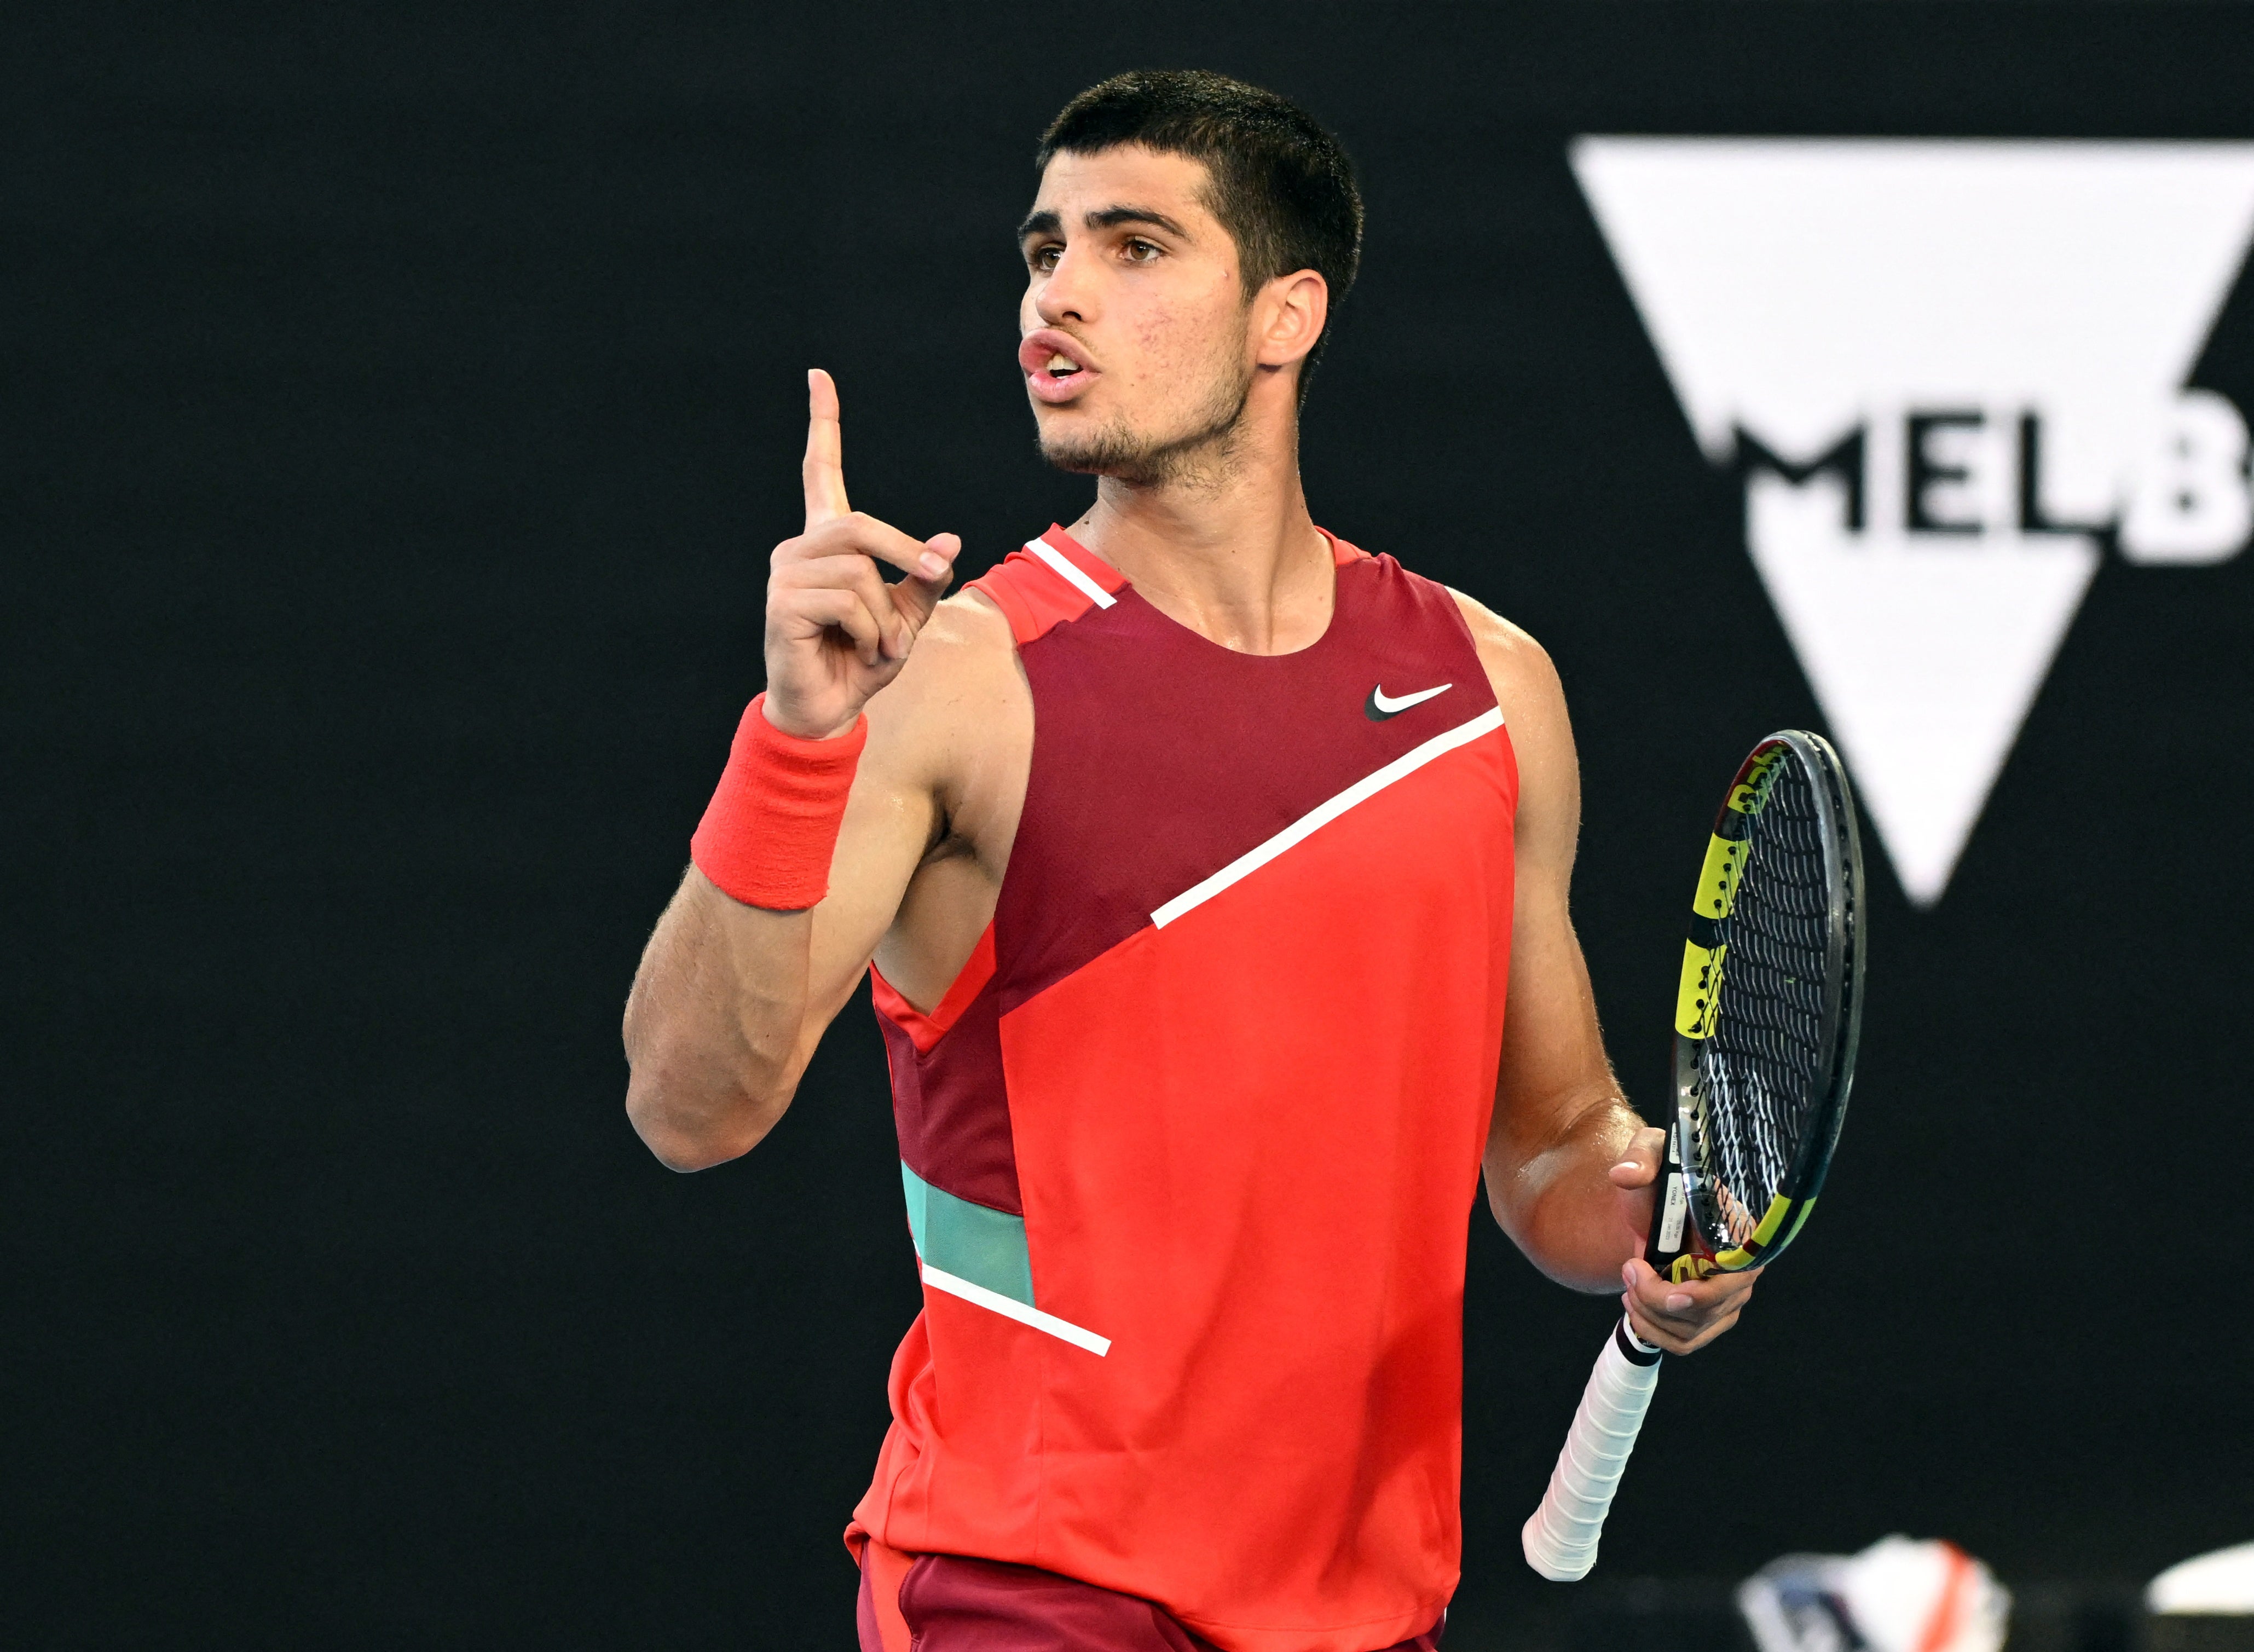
1289, 317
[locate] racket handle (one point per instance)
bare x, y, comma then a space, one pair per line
1560, 1537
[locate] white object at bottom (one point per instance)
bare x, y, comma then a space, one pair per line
1560, 1537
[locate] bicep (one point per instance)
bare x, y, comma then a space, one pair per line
890, 821
942, 738
1552, 1060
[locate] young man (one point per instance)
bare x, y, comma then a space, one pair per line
1215, 875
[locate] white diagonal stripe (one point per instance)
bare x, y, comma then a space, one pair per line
1307, 824
1070, 574
1010, 1308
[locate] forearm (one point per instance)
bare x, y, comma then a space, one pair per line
716, 1025
803, 855
1556, 1198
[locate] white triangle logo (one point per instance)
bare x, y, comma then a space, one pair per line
1949, 372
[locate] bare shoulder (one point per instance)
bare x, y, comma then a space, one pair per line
962, 666
1533, 703
1524, 680
967, 619
957, 723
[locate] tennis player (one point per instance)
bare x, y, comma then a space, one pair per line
1213, 872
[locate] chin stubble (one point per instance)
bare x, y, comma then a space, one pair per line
1206, 455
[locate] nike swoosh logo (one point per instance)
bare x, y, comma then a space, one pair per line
1382, 705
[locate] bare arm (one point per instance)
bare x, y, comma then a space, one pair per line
1570, 1165
731, 999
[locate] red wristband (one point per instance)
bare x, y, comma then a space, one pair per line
772, 825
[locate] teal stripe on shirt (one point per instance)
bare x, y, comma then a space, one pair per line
986, 1247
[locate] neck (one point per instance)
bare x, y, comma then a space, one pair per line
1224, 546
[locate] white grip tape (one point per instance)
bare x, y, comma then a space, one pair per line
1561, 1536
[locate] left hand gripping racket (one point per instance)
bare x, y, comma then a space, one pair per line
1767, 1018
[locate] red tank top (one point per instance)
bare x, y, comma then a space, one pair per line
1190, 1148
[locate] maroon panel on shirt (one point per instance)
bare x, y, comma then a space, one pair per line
953, 1604
1184, 755
952, 1108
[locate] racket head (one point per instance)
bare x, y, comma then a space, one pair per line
1769, 1011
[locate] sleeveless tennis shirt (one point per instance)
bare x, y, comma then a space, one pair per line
1190, 1147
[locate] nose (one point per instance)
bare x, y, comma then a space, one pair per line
1065, 293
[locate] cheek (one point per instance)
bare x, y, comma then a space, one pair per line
1178, 336
1159, 337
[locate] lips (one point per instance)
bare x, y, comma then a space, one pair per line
1056, 367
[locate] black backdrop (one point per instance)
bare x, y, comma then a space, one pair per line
398, 407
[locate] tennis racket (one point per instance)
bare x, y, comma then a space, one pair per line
1766, 1017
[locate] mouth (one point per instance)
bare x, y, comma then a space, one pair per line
1056, 367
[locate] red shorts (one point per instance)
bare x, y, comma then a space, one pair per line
946, 1603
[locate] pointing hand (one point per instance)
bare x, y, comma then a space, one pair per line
836, 632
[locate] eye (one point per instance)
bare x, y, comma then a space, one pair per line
1043, 258
1142, 252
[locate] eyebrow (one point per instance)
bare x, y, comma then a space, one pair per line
1048, 223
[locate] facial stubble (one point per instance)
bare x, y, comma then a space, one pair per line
1205, 454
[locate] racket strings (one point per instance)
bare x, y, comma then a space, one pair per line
1761, 1066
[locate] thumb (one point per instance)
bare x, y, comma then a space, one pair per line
1639, 1165
824, 470
917, 595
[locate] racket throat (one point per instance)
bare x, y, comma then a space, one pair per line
1672, 1233
1674, 1207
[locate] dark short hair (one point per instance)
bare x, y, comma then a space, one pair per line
1281, 185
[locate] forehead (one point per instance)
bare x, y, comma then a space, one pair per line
1073, 186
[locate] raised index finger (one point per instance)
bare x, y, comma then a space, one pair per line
824, 470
